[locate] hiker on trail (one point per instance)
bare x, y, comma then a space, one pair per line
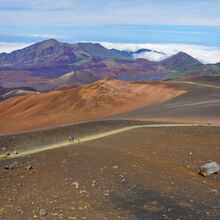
72, 139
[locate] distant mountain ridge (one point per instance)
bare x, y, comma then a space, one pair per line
180, 62
51, 51
49, 64
55, 52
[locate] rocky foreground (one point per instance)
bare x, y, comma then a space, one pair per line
146, 173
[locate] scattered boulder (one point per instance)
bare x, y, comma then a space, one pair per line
209, 168
42, 212
7, 153
29, 167
76, 184
6, 167
11, 166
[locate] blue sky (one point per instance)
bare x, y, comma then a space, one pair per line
129, 21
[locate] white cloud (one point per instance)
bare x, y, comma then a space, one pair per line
8, 47
205, 54
152, 56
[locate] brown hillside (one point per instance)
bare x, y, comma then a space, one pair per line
99, 99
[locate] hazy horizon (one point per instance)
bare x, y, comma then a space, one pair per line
205, 54
192, 24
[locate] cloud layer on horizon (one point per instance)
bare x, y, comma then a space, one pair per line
205, 54
6, 47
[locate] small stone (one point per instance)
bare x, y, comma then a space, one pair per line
20, 211
76, 184
6, 167
13, 165
154, 153
106, 192
7, 153
42, 212
203, 182
15, 152
29, 167
190, 153
115, 167
54, 213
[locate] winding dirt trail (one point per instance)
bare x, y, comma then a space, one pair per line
197, 84
97, 136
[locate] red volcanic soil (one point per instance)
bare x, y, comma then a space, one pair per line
65, 87
200, 105
89, 102
17, 75
21, 78
121, 68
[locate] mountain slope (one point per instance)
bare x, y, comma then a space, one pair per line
75, 77
97, 50
55, 52
180, 62
96, 100
48, 51
202, 70
17, 92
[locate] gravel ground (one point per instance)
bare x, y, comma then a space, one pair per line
145, 173
36, 139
